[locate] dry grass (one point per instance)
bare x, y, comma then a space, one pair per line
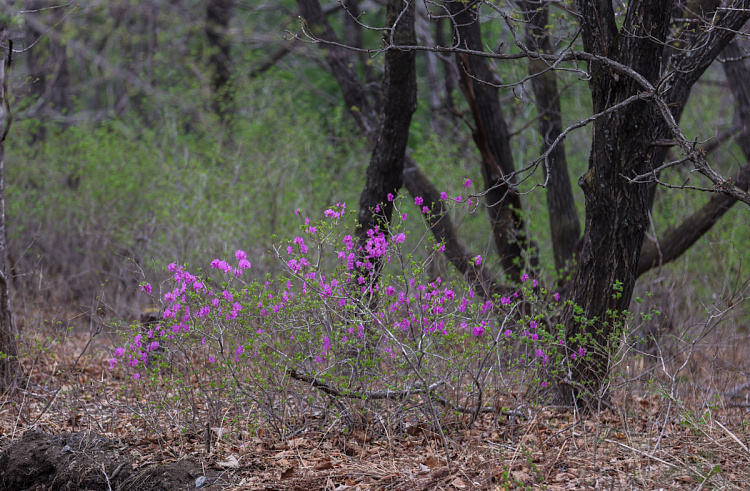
691, 435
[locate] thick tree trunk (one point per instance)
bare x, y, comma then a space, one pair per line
218, 16
565, 227
9, 366
617, 211
492, 138
385, 172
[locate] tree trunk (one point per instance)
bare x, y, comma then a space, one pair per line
491, 136
218, 16
385, 172
616, 211
9, 366
565, 227
622, 146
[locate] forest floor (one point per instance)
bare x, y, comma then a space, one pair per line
642, 445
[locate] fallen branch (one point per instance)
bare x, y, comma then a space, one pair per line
378, 394
398, 394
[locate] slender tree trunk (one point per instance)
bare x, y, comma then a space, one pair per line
565, 227
9, 366
385, 172
218, 16
492, 138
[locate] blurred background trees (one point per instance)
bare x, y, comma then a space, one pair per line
156, 131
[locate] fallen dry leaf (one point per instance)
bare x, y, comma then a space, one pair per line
230, 463
323, 465
458, 483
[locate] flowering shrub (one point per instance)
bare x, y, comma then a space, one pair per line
352, 319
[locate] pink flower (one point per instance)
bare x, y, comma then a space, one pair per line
211, 359
390, 197
136, 376
467, 183
443, 196
478, 260
425, 210
400, 238
146, 287
478, 331
418, 201
557, 296
403, 217
458, 198
240, 255
524, 277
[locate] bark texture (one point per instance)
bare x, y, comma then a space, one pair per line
384, 173
617, 211
9, 366
492, 138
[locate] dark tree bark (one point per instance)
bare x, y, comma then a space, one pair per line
617, 211
417, 183
9, 366
385, 171
491, 136
565, 227
218, 16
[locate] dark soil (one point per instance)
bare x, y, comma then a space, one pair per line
87, 461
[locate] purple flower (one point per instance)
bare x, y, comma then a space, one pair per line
478, 260
425, 210
403, 217
400, 238
544, 384
390, 197
534, 283
478, 331
240, 255
444, 196
458, 198
524, 277
508, 333
467, 183
211, 359
146, 287
418, 201
557, 296
136, 376
238, 352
